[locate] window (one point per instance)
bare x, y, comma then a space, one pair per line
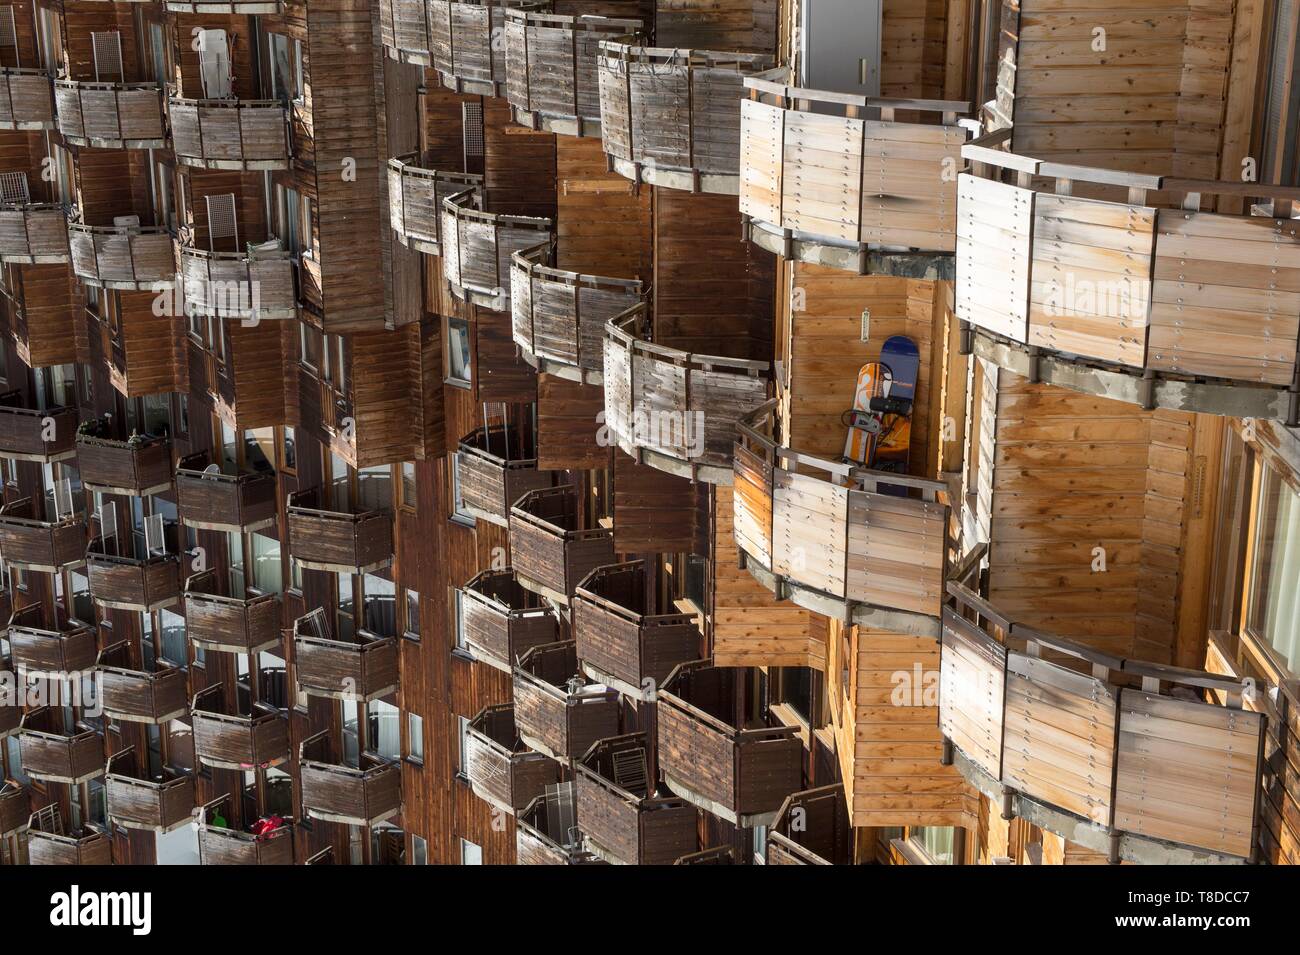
458, 619
415, 737
375, 488
938, 842
268, 574
285, 56
459, 513
470, 854
462, 763
458, 371
407, 485
290, 449
419, 851
311, 347
411, 621
172, 632
1273, 610
383, 729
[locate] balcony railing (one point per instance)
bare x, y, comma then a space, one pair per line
336, 540
49, 842
624, 637
230, 134
221, 845
136, 258
355, 796
465, 42
812, 828
48, 546
415, 195
226, 8
52, 754
256, 735
362, 668
477, 246
676, 410
39, 650
551, 79
559, 317
217, 621
254, 284
738, 774
138, 800
136, 466
622, 820
209, 499
496, 466
672, 117
110, 115
502, 771
133, 583
718, 855
139, 696
26, 99
404, 27
504, 620
33, 233
546, 831
551, 552
11, 715
558, 713
1066, 736
15, 807
27, 434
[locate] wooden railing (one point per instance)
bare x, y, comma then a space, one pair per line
219, 844
551, 552
210, 499
15, 805
33, 544
477, 247
137, 466
404, 28
216, 621
137, 800
557, 713
672, 117
122, 257
257, 738
812, 828
51, 753
495, 467
415, 195
541, 837
360, 669
245, 285
40, 650
673, 409
111, 115
465, 42
503, 620
50, 842
353, 795
230, 134
26, 99
326, 539
132, 583
33, 233
1125, 757
502, 770
559, 316
25, 433
226, 7
136, 695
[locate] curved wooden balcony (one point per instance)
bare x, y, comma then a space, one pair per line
52, 754
139, 258
150, 803
255, 735
138, 696
34, 233
496, 466
559, 316
847, 542
502, 771
812, 828
404, 31
622, 819
1118, 296
550, 550
226, 8
49, 842
230, 134
354, 796
136, 466
465, 40
217, 621
557, 712
133, 583
542, 839
253, 285
110, 115
676, 410
40, 650
672, 117
504, 620
210, 499
32, 544
26, 99
1135, 760
624, 638
27, 434
11, 717
823, 184
221, 845
477, 247
551, 76
415, 195
738, 773
15, 806
335, 540
362, 668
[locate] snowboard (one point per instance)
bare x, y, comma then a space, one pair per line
892, 446
862, 422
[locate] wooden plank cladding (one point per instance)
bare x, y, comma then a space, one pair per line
811, 166
51, 754
132, 583
551, 549
355, 796
33, 233
503, 620
672, 409
26, 99
255, 734
338, 540
49, 844
502, 770
415, 194
28, 434
557, 712
671, 117
39, 650
217, 621
477, 247
466, 46
559, 316
229, 134
110, 115
811, 828
551, 77
14, 808
404, 31
362, 667
209, 499
542, 838
138, 801
31, 543
253, 285
136, 695
219, 844
138, 465
1044, 719
496, 465
139, 258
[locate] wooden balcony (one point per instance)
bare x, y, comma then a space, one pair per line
675, 410
139, 696
230, 134
622, 819
466, 43
671, 117
335, 540
415, 195
221, 845
404, 29
110, 115
209, 499
255, 735
812, 828
151, 803
551, 551
47, 546
53, 754
133, 583
355, 796
217, 621
226, 7
130, 258
26, 98
546, 831
551, 79
50, 843
362, 668
1052, 730
11, 716
477, 247
136, 466
624, 637
559, 317
250, 286
502, 771
504, 620
557, 712
33, 233
15, 808
495, 467
41, 650
27, 434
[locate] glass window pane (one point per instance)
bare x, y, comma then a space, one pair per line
1274, 614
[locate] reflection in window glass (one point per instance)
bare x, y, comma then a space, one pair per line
384, 728
173, 637
1274, 614
268, 576
458, 366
